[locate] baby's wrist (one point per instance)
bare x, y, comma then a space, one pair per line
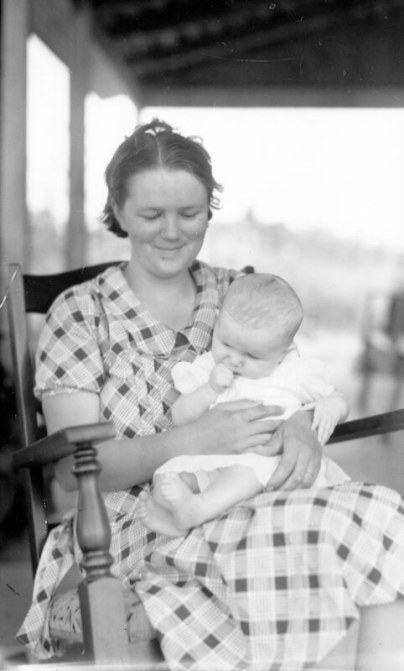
215, 389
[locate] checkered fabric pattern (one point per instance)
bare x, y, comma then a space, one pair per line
276, 582
98, 337
272, 584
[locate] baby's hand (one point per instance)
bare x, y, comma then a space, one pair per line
221, 378
327, 413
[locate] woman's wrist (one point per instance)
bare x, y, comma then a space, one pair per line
301, 418
184, 439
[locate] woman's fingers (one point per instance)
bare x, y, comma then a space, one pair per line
262, 426
274, 410
263, 411
258, 427
254, 409
238, 426
261, 444
255, 416
291, 474
303, 476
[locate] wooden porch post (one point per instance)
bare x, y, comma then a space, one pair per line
76, 237
14, 226
13, 211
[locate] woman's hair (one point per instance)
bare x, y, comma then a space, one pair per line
263, 300
155, 145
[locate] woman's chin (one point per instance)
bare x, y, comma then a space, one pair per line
174, 264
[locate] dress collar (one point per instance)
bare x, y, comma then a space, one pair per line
150, 334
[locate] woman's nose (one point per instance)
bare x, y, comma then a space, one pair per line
169, 229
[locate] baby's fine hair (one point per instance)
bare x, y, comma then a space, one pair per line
263, 300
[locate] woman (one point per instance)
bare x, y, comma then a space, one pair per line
277, 581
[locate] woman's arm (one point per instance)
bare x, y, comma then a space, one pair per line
189, 407
228, 428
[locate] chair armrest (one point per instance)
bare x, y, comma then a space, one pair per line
61, 444
374, 425
101, 598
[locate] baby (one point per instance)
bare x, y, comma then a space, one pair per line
253, 357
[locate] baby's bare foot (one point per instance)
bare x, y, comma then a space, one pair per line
184, 505
155, 517
175, 492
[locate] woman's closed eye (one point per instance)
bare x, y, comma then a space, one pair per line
151, 216
189, 214
156, 214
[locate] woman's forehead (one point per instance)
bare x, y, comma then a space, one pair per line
157, 182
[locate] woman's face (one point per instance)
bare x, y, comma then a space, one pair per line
166, 216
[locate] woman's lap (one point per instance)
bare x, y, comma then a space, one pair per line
279, 578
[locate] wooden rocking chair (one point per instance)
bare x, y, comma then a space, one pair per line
114, 631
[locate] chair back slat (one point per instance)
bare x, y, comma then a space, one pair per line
41, 290
24, 385
21, 355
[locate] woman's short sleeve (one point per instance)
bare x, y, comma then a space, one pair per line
68, 356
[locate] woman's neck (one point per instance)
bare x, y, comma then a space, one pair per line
171, 300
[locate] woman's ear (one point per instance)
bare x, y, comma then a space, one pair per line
118, 216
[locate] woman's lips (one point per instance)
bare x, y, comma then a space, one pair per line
170, 249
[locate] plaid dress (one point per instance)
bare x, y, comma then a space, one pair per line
273, 583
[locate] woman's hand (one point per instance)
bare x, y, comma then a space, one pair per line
236, 427
300, 453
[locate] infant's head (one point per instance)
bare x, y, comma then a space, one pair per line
256, 326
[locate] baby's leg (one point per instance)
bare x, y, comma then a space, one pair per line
233, 484
156, 516
153, 510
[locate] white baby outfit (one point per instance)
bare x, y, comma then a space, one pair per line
294, 384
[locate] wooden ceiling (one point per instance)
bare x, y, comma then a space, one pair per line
186, 46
